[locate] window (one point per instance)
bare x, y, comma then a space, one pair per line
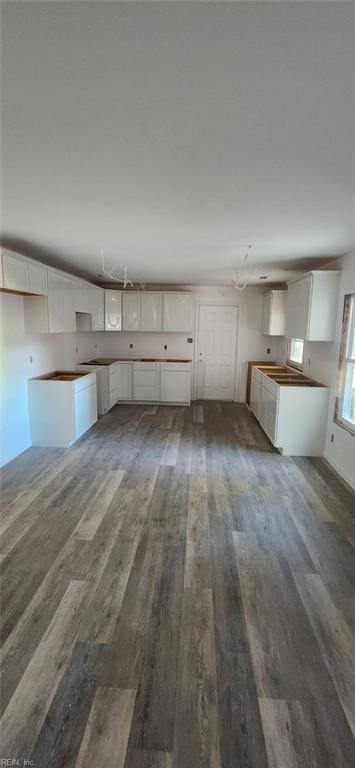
345, 401
295, 352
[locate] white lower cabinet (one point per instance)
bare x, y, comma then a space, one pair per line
146, 381
255, 392
113, 380
268, 413
175, 382
293, 417
63, 405
125, 381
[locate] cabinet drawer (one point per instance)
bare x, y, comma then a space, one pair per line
85, 381
256, 374
270, 386
176, 367
148, 366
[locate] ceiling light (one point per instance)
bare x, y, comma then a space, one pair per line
242, 275
108, 271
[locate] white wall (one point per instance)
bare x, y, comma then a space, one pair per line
341, 452
47, 351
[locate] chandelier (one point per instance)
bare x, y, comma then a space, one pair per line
242, 275
109, 271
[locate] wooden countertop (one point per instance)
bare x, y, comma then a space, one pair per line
111, 360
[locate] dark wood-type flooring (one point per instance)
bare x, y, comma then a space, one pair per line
175, 594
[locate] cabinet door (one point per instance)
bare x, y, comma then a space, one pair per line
82, 297
130, 312
271, 418
255, 396
125, 381
15, 273
151, 311
85, 409
175, 387
290, 311
69, 320
263, 407
178, 312
98, 310
55, 303
38, 279
113, 313
267, 307
302, 308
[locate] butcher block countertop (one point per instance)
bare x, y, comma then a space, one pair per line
111, 360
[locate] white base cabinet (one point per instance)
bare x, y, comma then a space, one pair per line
255, 393
146, 381
175, 383
63, 406
125, 381
293, 417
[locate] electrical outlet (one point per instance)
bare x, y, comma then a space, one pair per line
30, 359
165, 346
95, 346
131, 346
309, 361
332, 438
268, 351
76, 350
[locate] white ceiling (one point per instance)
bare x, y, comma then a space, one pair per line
176, 133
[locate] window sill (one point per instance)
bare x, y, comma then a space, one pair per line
346, 425
294, 365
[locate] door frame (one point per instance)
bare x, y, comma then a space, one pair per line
197, 338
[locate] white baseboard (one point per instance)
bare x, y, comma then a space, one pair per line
342, 475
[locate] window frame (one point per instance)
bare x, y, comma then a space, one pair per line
346, 343
289, 361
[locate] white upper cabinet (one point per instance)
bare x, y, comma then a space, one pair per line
178, 312
131, 311
16, 276
274, 313
98, 309
113, 311
38, 279
55, 302
69, 317
312, 305
83, 297
151, 311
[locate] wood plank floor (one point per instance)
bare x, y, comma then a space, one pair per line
175, 594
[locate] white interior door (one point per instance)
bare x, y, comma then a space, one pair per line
217, 352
